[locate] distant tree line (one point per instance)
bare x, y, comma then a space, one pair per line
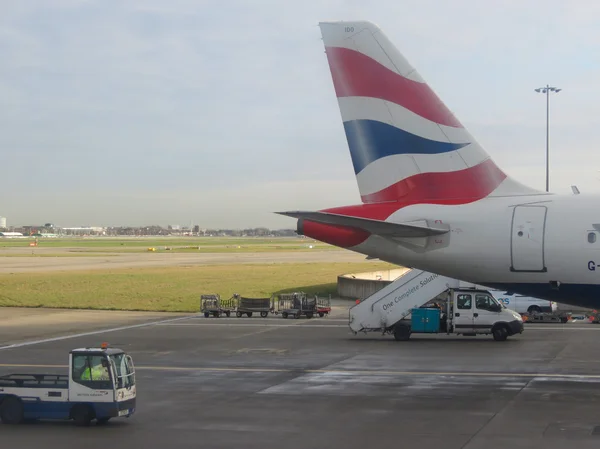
195, 231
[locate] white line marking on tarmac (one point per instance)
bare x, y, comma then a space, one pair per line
172, 322
294, 325
268, 320
310, 325
101, 331
338, 371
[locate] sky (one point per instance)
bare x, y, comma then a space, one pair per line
219, 113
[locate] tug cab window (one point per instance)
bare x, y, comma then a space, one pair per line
125, 370
591, 237
92, 371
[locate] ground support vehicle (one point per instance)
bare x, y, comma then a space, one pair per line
594, 317
395, 309
249, 306
545, 317
295, 305
323, 306
100, 385
216, 306
525, 304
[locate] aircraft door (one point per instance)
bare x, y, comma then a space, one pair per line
463, 313
527, 239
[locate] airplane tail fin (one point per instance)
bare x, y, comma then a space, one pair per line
405, 144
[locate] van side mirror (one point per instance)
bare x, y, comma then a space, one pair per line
496, 308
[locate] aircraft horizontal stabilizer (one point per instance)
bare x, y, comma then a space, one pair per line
378, 227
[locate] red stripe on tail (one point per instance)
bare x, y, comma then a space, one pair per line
455, 187
357, 75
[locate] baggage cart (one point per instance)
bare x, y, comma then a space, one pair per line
209, 305
228, 306
323, 306
215, 306
545, 318
295, 305
250, 305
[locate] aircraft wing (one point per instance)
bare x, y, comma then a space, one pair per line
418, 228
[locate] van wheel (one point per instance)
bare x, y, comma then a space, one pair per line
82, 415
534, 309
11, 411
500, 333
402, 332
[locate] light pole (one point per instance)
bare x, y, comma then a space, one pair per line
546, 90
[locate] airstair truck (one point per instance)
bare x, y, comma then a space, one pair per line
100, 385
396, 309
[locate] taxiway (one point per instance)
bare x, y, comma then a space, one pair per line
270, 383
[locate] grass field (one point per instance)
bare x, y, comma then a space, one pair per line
144, 242
173, 289
66, 254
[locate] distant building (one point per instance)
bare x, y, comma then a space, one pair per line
85, 230
2, 222
10, 235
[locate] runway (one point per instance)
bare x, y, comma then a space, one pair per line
21, 260
270, 383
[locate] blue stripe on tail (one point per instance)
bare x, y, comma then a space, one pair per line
370, 140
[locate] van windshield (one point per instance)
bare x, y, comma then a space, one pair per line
500, 303
496, 300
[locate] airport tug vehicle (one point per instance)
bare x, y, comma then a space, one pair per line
100, 385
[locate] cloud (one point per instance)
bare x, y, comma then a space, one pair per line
176, 106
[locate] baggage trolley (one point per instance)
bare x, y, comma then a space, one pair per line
251, 305
295, 305
323, 306
215, 306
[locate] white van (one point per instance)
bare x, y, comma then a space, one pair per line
524, 304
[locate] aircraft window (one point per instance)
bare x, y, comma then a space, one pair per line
591, 237
463, 302
484, 302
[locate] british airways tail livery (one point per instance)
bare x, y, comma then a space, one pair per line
432, 198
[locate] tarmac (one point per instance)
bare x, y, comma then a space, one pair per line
273, 383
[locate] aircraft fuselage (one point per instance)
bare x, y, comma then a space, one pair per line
542, 246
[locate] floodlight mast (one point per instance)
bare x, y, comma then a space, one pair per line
546, 90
